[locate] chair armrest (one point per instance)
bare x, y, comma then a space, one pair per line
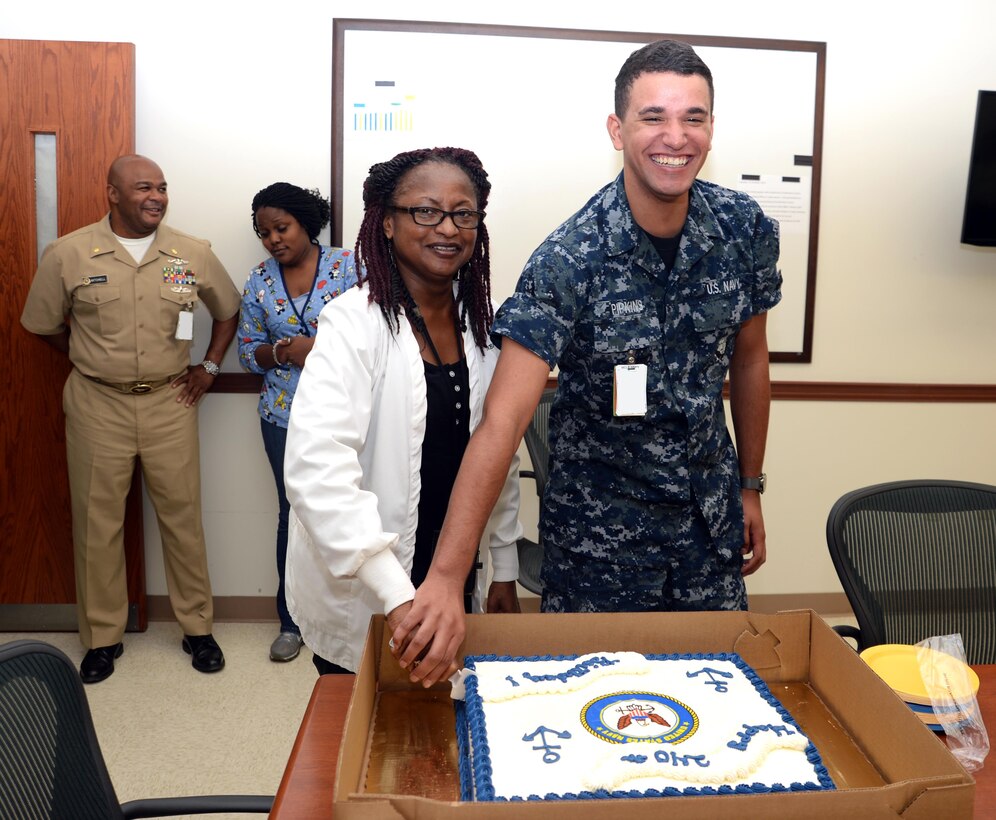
530, 563
530, 474
211, 804
852, 632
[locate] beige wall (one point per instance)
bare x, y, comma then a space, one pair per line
234, 96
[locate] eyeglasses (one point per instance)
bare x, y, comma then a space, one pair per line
435, 216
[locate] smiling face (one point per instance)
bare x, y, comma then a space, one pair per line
284, 238
665, 136
136, 191
429, 257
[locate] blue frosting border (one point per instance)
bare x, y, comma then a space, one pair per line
463, 752
476, 783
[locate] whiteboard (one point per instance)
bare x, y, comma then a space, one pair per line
532, 103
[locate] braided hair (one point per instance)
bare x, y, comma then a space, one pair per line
375, 259
308, 207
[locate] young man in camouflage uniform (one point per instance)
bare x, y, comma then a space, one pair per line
661, 277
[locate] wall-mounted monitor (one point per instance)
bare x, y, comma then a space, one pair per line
979, 224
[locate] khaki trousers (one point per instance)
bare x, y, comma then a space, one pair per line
105, 432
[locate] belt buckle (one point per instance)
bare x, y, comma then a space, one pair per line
140, 387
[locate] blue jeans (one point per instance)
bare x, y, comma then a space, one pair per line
274, 442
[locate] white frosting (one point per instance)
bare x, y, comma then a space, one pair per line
623, 722
493, 688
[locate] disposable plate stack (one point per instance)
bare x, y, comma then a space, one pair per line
953, 683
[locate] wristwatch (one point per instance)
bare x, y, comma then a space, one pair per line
211, 367
751, 483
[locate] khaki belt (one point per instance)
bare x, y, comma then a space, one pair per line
136, 388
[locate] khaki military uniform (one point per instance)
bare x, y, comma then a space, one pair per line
119, 407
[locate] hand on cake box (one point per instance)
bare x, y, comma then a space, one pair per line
427, 632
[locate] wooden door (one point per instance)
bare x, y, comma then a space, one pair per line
81, 97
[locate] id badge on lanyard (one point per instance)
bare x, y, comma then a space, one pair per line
629, 389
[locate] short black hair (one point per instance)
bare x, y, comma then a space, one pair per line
659, 57
308, 207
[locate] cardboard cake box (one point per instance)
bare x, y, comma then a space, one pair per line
397, 756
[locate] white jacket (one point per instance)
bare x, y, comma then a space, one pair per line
351, 468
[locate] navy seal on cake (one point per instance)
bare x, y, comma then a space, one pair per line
641, 713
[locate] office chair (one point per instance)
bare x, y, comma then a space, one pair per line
537, 440
918, 559
51, 766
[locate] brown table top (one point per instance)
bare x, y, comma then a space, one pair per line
985, 778
306, 787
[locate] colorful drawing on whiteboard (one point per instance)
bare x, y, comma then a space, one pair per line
387, 109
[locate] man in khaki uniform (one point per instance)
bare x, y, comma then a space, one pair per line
127, 286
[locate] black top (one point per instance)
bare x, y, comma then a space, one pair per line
667, 248
447, 429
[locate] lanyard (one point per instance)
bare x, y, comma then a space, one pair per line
314, 281
424, 329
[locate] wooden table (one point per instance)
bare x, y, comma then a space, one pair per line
306, 787
985, 778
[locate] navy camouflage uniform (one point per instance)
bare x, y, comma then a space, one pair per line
643, 513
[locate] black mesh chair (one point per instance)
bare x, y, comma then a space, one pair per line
918, 559
51, 767
537, 440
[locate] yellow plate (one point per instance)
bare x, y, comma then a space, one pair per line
899, 666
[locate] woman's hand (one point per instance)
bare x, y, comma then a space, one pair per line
292, 350
502, 597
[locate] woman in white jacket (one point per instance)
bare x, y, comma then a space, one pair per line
393, 388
